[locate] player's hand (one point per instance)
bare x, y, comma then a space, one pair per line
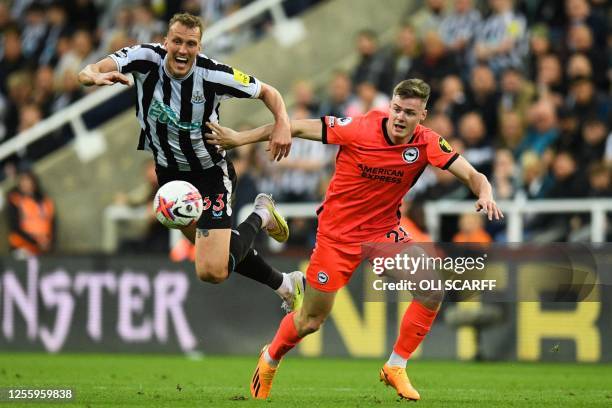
489, 206
280, 141
221, 136
109, 78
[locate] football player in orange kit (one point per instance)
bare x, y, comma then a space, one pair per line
381, 155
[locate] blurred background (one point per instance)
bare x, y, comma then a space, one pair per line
520, 88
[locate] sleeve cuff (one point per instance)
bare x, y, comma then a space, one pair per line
323, 130
450, 161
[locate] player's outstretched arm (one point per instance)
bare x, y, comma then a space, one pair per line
480, 186
103, 72
280, 138
227, 138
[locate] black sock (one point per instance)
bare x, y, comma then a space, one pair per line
255, 267
242, 238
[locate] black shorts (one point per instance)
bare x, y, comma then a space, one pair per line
216, 185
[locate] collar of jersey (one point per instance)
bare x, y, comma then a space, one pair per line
386, 135
172, 76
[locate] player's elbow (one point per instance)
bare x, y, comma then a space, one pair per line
211, 273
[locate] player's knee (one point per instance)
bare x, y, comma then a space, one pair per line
211, 273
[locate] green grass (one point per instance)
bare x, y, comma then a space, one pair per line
118, 380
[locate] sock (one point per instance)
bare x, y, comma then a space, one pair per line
264, 214
415, 325
255, 267
397, 360
285, 339
284, 288
242, 238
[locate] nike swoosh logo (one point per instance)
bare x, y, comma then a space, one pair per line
176, 212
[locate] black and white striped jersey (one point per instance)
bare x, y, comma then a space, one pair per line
173, 111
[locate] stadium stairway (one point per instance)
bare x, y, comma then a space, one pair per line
83, 190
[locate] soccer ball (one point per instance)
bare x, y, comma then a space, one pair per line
177, 204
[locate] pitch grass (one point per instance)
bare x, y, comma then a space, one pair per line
119, 380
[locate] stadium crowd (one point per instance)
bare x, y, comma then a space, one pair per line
520, 88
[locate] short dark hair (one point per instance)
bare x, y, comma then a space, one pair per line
412, 88
188, 20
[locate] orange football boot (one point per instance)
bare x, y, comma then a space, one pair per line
261, 383
396, 377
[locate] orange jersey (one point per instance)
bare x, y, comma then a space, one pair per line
373, 175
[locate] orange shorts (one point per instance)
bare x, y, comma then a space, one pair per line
332, 263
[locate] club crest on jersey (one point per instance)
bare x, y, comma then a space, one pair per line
344, 121
410, 155
197, 98
322, 277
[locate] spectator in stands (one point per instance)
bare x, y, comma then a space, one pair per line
58, 27
539, 46
304, 97
580, 40
368, 98
441, 124
34, 32
549, 79
452, 101
483, 96
434, 63
471, 229
144, 25
400, 59
505, 175
578, 65
12, 58
516, 92
80, 54
339, 95
568, 181
478, 148
501, 39
543, 128
45, 89
584, 100
579, 13
569, 131
70, 90
428, 17
536, 182
31, 217
594, 138
511, 131
459, 27
371, 61
600, 176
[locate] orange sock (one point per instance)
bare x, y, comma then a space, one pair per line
415, 325
285, 339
